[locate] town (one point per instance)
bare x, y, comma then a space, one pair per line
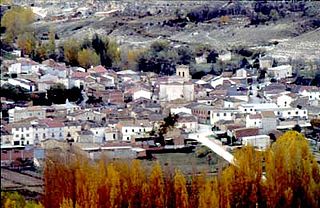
208, 102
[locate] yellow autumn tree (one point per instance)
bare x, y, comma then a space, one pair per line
209, 194
180, 190
88, 58
17, 21
292, 173
113, 182
71, 48
156, 186
27, 43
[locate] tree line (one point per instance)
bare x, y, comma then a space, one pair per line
286, 175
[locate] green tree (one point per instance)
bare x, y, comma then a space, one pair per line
16, 21
51, 46
87, 58
113, 51
57, 94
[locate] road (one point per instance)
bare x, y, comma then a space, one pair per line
202, 136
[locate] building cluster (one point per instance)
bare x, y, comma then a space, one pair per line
133, 105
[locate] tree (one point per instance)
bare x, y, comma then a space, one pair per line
27, 43
57, 94
87, 58
51, 47
113, 52
186, 55
297, 128
212, 57
156, 186
274, 15
71, 48
180, 190
16, 21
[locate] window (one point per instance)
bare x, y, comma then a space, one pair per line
132, 130
17, 135
60, 134
289, 113
218, 114
304, 112
126, 130
127, 138
27, 135
27, 128
39, 114
96, 132
114, 136
144, 130
52, 135
296, 112
30, 114
224, 114
44, 135
245, 110
16, 143
251, 109
27, 142
36, 136
139, 130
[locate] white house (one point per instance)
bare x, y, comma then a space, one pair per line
174, 91
17, 114
280, 72
288, 113
129, 129
187, 122
26, 84
22, 134
312, 92
99, 133
252, 108
241, 73
284, 101
225, 57
222, 115
180, 110
141, 93
24, 67
111, 134
55, 128
254, 120
261, 142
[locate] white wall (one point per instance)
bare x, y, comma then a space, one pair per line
141, 94
224, 115
284, 101
181, 110
23, 132
260, 142
128, 132
314, 95
256, 122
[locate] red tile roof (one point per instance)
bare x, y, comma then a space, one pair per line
79, 75
244, 132
98, 69
52, 123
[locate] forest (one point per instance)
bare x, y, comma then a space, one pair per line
286, 175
